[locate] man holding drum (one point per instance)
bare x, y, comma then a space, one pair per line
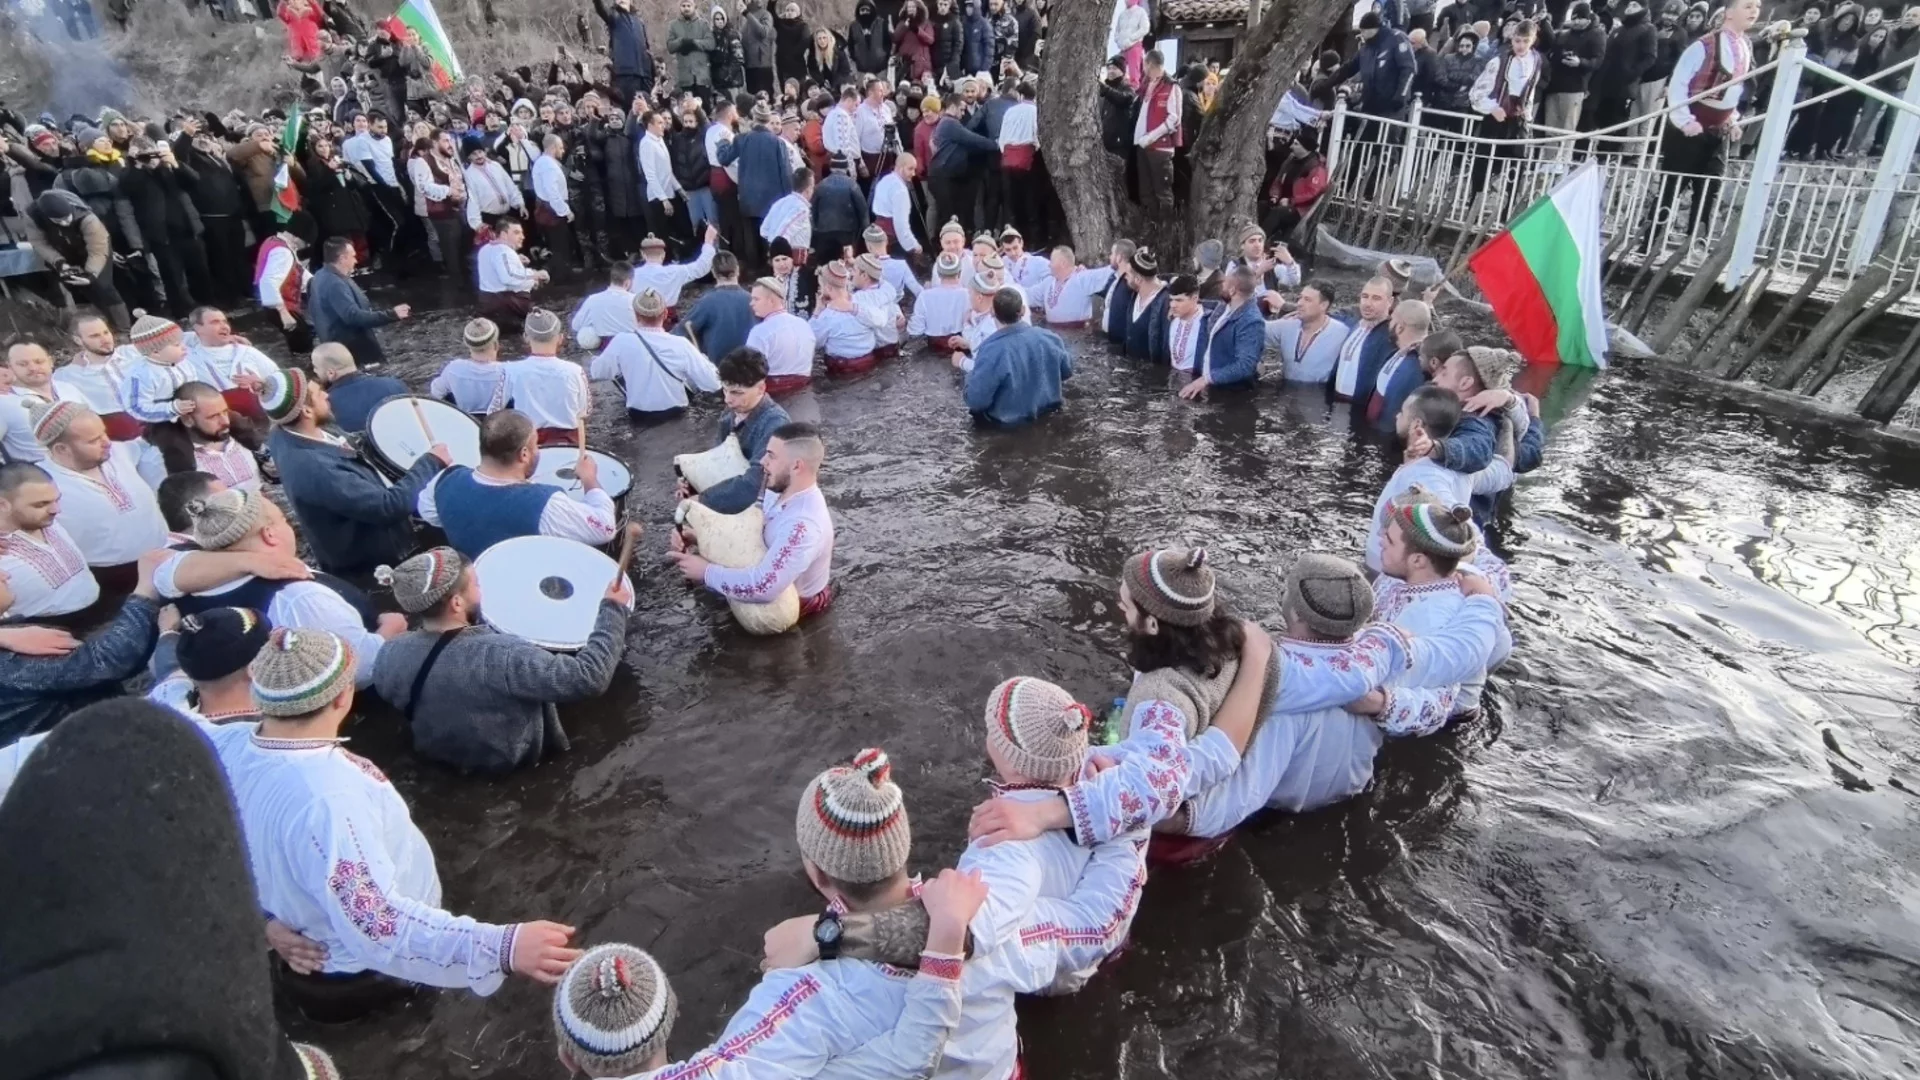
798, 531
478, 699
478, 508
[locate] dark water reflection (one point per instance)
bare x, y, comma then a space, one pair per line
1678, 844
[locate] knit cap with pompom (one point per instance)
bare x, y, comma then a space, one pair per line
423, 580
1329, 594
152, 333
613, 1010
480, 333
853, 821
1494, 367
1038, 730
300, 671
1431, 526
51, 419
954, 227
284, 395
225, 518
1174, 585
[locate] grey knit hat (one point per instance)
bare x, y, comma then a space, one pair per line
86, 136
947, 265
869, 266
480, 333
613, 1010
541, 324
1495, 367
1038, 730
649, 304
1329, 594
852, 822
424, 579
1174, 586
225, 518
874, 234
300, 671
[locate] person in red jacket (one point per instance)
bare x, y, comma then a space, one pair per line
913, 40
1299, 183
303, 21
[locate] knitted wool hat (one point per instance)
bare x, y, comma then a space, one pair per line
761, 114
947, 265
874, 235
613, 1010
982, 282
1144, 263
51, 419
1431, 526
1250, 231
649, 304
869, 266
214, 644
853, 821
985, 238
1329, 594
423, 580
151, 333
480, 333
953, 226
772, 285
1174, 585
541, 323
1038, 730
225, 518
284, 395
1495, 367
836, 274
990, 262
87, 135
1008, 232
299, 672
931, 104
653, 243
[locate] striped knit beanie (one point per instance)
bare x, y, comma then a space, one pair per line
1431, 526
836, 275
983, 282
225, 518
51, 419
613, 1010
480, 333
869, 266
1174, 586
284, 395
217, 643
151, 333
874, 234
300, 671
853, 821
1494, 367
1038, 730
423, 580
985, 239
1329, 594
1144, 263
947, 265
541, 325
1250, 231
953, 226
650, 304
316, 1062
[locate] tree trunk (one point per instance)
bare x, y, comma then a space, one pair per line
1228, 152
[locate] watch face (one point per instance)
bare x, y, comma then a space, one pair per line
827, 931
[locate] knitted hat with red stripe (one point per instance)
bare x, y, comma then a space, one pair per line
51, 419
1036, 729
953, 226
315, 1061
1431, 526
1174, 586
853, 821
869, 266
152, 333
424, 579
613, 1010
300, 671
284, 395
947, 265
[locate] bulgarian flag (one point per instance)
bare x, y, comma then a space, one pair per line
286, 197
1542, 275
419, 16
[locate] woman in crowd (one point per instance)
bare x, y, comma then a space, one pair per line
828, 64
913, 41
332, 195
792, 41
726, 61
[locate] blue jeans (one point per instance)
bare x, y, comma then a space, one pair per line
702, 207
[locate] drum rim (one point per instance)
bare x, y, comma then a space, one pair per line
520, 541
567, 488
371, 446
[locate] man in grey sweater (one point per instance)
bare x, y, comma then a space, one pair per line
477, 699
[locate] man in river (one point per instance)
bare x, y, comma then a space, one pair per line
500, 500
1016, 372
798, 530
1427, 542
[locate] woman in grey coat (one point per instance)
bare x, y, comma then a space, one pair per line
756, 43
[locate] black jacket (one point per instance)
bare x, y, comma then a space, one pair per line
215, 190
1116, 117
1586, 46
1631, 51
831, 76
1028, 53
949, 47
726, 62
99, 185
839, 208
622, 171
334, 199
870, 40
792, 41
1668, 44
688, 152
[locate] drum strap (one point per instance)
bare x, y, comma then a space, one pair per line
420, 677
656, 362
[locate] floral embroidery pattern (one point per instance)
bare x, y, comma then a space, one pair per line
57, 561
1106, 933
373, 771
366, 906
762, 588
705, 1062
941, 967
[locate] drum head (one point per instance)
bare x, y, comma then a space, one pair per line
556, 467
396, 439
544, 589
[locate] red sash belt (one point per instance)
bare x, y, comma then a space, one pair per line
122, 427
852, 365
948, 344
886, 352
1017, 158
556, 436
779, 385
720, 182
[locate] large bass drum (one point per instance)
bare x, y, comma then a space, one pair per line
544, 588
556, 466
399, 429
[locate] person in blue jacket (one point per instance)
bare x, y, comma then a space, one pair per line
766, 176
1233, 335
627, 49
354, 393
1369, 343
1017, 372
1145, 315
339, 307
1401, 371
1118, 309
1384, 66
753, 417
722, 318
979, 40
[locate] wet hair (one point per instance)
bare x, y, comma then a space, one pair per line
1437, 410
725, 265
503, 433
18, 474
1203, 649
176, 491
1441, 344
1321, 289
742, 367
1184, 285
1007, 305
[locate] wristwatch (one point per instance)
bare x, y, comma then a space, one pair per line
826, 935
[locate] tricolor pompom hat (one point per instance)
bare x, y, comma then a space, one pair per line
1432, 527
852, 822
1174, 586
1038, 730
284, 395
299, 672
613, 1010
424, 579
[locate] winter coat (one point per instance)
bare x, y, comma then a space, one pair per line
869, 40
832, 72
396, 63
256, 167
626, 41
979, 47
1006, 39
1453, 80
792, 44
949, 46
1426, 76
1631, 52
1116, 117
1668, 44
1028, 53
726, 61
334, 200
757, 38
1385, 69
99, 185
85, 242
688, 40
1585, 45
687, 150
913, 44
623, 173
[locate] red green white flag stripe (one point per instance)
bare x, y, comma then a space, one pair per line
1542, 275
419, 16
286, 197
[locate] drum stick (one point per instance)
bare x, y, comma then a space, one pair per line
421, 415
626, 554
582, 433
